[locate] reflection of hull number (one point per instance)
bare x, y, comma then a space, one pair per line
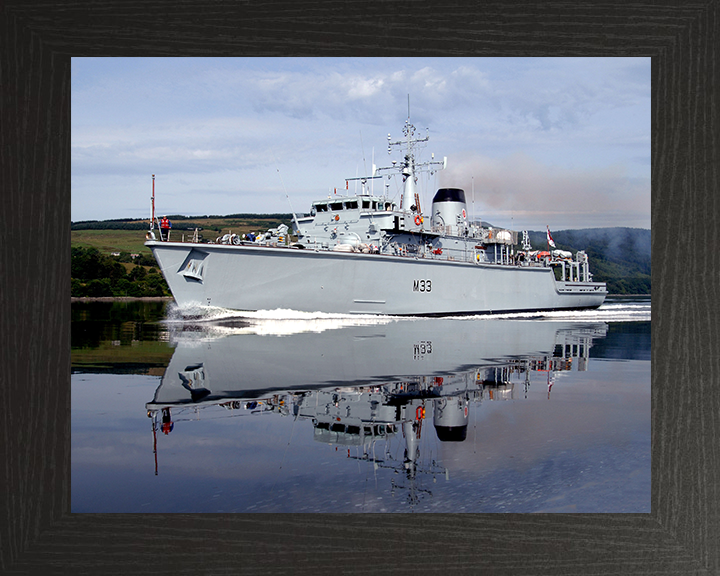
422, 349
422, 285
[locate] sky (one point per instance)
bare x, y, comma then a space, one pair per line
534, 142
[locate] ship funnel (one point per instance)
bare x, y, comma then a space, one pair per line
449, 209
450, 418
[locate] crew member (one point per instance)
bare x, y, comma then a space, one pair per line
165, 226
167, 423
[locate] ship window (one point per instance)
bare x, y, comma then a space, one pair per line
336, 206
388, 206
321, 207
366, 204
351, 205
374, 205
353, 430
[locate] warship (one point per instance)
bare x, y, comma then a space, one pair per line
366, 254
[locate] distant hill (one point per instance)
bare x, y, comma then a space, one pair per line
619, 256
217, 223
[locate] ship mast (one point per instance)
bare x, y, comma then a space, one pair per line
409, 167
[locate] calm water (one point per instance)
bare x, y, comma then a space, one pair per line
318, 413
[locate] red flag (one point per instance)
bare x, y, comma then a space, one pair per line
549, 238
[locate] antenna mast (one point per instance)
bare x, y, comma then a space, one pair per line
473, 198
152, 220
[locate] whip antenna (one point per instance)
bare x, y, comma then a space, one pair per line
297, 224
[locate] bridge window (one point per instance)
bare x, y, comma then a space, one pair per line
336, 206
352, 205
321, 207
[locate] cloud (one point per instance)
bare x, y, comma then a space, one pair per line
521, 190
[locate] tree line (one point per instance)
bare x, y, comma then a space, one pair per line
96, 275
144, 224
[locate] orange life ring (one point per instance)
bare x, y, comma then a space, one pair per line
337, 217
418, 220
419, 413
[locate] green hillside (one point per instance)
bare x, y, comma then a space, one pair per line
110, 236
621, 257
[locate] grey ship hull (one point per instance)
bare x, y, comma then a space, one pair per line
251, 277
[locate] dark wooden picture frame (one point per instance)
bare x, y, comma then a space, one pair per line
38, 534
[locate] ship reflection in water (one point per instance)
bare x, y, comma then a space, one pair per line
392, 395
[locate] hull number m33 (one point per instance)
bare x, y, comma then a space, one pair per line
422, 285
